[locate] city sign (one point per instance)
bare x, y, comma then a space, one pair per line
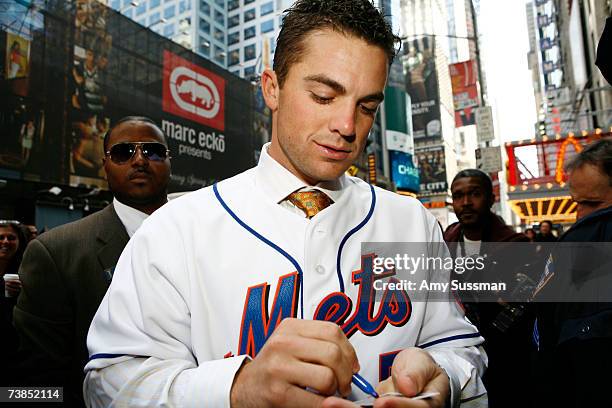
488, 159
484, 124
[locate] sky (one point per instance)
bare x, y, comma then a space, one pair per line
505, 44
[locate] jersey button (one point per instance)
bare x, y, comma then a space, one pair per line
320, 269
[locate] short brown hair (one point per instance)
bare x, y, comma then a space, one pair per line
354, 17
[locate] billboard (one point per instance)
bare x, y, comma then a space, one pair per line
91, 66
432, 170
464, 80
89, 119
404, 171
422, 86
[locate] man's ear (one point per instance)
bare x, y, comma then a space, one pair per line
491, 200
270, 89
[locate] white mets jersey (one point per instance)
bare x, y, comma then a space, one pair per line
207, 278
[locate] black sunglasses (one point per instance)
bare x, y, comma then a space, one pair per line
123, 152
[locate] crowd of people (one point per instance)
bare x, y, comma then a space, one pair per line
150, 303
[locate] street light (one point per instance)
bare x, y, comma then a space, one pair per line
70, 202
55, 190
128, 6
160, 21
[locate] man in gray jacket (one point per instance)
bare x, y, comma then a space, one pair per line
66, 271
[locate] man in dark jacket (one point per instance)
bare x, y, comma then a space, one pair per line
65, 272
505, 327
575, 338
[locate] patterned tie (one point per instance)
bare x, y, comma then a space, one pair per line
311, 202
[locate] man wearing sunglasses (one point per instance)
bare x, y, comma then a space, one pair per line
66, 271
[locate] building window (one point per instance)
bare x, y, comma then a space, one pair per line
249, 15
154, 3
219, 35
249, 52
169, 30
233, 21
153, 18
128, 13
234, 58
184, 5
220, 3
249, 32
169, 12
233, 38
233, 5
142, 7
205, 8
220, 18
116, 4
248, 2
204, 26
266, 8
249, 71
219, 55
267, 26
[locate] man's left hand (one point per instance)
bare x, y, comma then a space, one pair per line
413, 372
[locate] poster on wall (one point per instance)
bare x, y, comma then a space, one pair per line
464, 79
88, 116
422, 86
432, 170
17, 60
23, 126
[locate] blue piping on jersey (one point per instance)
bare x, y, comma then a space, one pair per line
267, 241
106, 355
348, 235
451, 338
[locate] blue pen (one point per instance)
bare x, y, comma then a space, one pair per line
364, 386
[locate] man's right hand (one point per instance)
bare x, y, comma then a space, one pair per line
300, 354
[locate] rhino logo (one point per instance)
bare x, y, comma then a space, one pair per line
201, 91
197, 91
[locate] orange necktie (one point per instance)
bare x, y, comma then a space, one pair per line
311, 202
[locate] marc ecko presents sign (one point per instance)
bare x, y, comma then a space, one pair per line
193, 92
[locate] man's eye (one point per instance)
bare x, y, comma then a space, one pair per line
369, 111
321, 99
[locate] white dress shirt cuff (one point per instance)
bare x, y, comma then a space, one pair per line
211, 383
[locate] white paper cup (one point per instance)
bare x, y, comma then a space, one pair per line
9, 277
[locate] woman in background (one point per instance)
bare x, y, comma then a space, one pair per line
12, 245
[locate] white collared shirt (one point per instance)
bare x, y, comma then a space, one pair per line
130, 217
278, 182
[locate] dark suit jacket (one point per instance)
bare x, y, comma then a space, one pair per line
65, 274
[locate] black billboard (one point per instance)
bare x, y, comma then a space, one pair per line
88, 66
422, 86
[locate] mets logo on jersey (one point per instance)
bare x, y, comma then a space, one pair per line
369, 315
193, 92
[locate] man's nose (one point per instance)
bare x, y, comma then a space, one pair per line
343, 121
466, 201
139, 157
